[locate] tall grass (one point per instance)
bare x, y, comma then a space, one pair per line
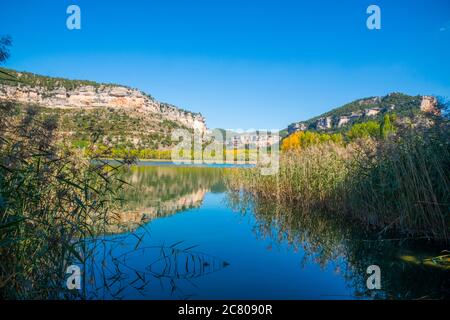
309, 178
400, 183
51, 199
405, 183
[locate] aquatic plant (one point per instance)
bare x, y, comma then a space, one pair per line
398, 181
51, 199
412, 268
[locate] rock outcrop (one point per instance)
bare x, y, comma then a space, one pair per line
97, 96
324, 123
366, 109
429, 104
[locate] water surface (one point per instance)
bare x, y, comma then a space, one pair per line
182, 235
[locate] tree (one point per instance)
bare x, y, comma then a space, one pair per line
386, 127
5, 43
364, 130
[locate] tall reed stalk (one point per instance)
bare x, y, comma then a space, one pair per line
399, 183
51, 199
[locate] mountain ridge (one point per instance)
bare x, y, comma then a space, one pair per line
369, 108
55, 92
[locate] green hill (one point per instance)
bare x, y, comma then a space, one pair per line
362, 110
124, 120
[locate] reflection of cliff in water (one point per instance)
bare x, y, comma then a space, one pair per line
331, 240
156, 192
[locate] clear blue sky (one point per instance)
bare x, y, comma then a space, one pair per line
242, 64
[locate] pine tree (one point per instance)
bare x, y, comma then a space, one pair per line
386, 127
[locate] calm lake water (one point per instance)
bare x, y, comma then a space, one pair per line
182, 235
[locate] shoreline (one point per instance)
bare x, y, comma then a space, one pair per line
187, 162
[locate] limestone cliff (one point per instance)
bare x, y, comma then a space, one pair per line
367, 109
128, 220
75, 94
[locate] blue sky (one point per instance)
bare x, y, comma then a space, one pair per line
242, 64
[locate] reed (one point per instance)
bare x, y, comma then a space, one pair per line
51, 200
405, 182
398, 183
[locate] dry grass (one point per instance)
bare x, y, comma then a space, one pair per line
51, 200
401, 183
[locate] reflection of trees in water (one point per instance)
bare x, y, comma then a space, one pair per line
141, 270
153, 185
113, 273
163, 183
162, 191
326, 239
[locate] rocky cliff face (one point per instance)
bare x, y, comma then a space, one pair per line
98, 96
131, 219
429, 105
366, 109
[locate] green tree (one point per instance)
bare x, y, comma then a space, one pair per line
386, 127
5, 44
364, 130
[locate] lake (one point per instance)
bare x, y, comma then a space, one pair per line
183, 235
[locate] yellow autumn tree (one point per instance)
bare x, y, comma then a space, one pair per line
301, 139
293, 141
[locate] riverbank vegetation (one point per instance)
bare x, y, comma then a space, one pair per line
51, 200
333, 243
229, 156
121, 134
392, 175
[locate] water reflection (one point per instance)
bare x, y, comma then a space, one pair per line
120, 268
351, 248
156, 192
125, 263
225, 245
